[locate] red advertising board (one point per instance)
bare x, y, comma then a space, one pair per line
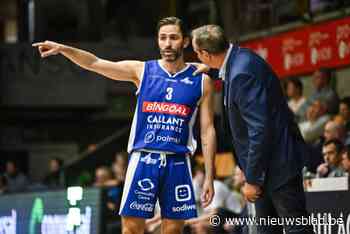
304, 50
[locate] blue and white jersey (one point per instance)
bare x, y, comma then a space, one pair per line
166, 110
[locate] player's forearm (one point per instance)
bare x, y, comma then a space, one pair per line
80, 57
209, 148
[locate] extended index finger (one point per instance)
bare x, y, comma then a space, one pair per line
38, 44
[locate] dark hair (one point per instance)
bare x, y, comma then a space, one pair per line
296, 82
346, 101
326, 73
211, 38
173, 21
338, 144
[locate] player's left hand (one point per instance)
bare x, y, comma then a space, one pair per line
207, 193
251, 192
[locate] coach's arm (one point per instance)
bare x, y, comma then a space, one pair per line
123, 70
208, 138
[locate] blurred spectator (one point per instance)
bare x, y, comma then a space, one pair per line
16, 180
339, 119
103, 175
225, 203
116, 184
323, 92
320, 6
113, 181
238, 179
55, 178
344, 111
346, 160
294, 92
248, 207
334, 130
3, 184
119, 167
332, 156
316, 118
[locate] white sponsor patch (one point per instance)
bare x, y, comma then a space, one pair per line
145, 184
182, 192
168, 139
149, 160
187, 81
183, 208
148, 207
149, 137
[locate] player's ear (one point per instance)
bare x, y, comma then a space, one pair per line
186, 42
206, 54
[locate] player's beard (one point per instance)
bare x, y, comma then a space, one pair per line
171, 55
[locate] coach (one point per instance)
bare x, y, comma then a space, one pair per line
268, 145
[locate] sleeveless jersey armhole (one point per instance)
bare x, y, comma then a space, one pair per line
141, 79
202, 90
202, 85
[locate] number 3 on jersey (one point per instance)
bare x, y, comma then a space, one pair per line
169, 95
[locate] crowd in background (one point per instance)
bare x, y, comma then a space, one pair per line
13, 180
324, 122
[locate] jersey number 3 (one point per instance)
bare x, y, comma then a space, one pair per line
169, 95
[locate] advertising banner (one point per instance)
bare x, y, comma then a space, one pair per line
330, 211
306, 49
47, 213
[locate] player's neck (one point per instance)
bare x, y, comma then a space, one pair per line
173, 67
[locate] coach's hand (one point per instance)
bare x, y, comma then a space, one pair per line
200, 68
207, 193
48, 48
251, 192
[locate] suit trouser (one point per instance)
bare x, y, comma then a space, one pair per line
287, 202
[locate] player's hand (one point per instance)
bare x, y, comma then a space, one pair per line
251, 192
48, 48
207, 193
200, 68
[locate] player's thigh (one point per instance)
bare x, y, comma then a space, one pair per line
133, 225
172, 226
176, 197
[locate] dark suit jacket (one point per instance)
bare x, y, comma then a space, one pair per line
268, 145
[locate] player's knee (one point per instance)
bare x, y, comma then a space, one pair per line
132, 230
172, 228
132, 226
127, 230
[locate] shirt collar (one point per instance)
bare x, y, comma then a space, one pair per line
222, 72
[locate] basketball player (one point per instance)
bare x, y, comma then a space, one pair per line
161, 138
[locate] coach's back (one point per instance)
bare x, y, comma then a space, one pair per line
268, 145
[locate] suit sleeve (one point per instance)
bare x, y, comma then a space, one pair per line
251, 97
